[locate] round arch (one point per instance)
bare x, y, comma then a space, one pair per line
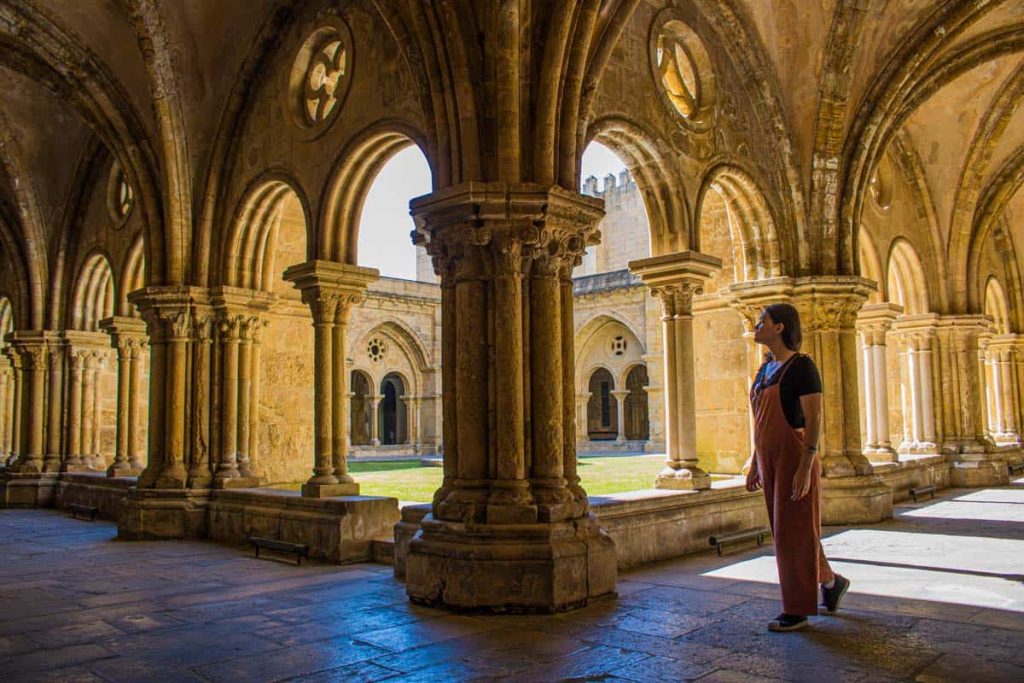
905, 282
250, 246
337, 236
997, 305
93, 297
393, 415
361, 389
755, 240
871, 267
657, 178
602, 406
133, 277
636, 411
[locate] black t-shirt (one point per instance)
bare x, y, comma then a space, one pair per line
800, 379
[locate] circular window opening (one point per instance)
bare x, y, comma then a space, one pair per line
682, 69
321, 76
618, 347
376, 349
120, 196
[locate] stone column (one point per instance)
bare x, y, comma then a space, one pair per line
200, 461
917, 334
330, 290
1001, 350
620, 413
675, 279
373, 401
5, 409
75, 364
976, 462
17, 401
52, 459
35, 356
507, 529
89, 361
254, 395
127, 336
137, 352
169, 313
245, 396
873, 323
581, 416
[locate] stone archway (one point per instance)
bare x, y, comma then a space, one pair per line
392, 415
602, 407
637, 423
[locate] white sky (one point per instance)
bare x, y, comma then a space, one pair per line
384, 229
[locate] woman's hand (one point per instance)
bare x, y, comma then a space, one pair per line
801, 482
753, 476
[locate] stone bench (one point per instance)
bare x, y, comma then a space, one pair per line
719, 540
300, 550
922, 491
77, 509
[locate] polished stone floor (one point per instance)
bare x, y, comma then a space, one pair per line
938, 594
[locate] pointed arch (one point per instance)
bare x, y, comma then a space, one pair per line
337, 235
755, 240
411, 345
905, 281
250, 245
7, 322
93, 298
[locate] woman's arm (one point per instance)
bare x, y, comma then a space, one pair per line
811, 406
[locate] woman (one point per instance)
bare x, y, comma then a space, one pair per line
786, 402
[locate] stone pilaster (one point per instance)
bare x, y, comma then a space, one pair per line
128, 338
674, 279
6, 408
873, 324
330, 290
510, 527
14, 420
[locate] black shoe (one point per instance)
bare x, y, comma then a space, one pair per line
834, 595
787, 622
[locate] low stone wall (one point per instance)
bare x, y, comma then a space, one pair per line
647, 526
914, 472
338, 529
28, 490
107, 494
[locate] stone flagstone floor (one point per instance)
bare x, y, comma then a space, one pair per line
938, 594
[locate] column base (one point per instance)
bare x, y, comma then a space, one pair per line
159, 514
855, 500
881, 454
329, 490
972, 473
121, 470
238, 483
28, 490
683, 479
520, 568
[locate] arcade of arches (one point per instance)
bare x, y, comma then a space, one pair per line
186, 321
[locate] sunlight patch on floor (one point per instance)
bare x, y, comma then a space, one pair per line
960, 570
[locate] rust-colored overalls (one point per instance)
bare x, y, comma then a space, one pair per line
795, 524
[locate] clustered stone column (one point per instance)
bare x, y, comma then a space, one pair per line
6, 408
330, 290
510, 525
14, 420
976, 462
873, 324
916, 336
85, 355
675, 279
128, 337
33, 349
1000, 355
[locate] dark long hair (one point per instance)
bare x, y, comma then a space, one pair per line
792, 337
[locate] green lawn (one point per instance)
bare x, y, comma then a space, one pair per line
408, 481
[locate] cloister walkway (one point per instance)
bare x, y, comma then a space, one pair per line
938, 594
